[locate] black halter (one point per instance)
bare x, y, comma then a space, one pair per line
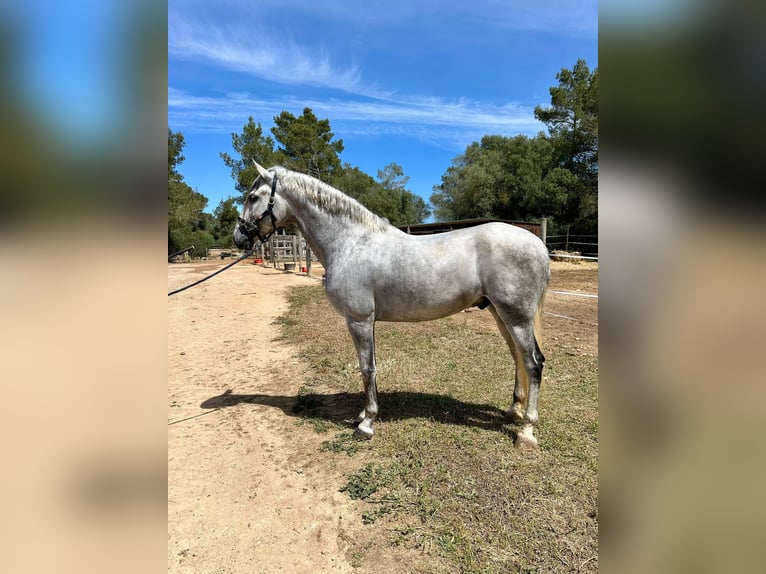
250, 228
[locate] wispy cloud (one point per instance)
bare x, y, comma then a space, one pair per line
241, 45
318, 44
313, 47
432, 119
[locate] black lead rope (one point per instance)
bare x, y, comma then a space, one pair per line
250, 229
247, 254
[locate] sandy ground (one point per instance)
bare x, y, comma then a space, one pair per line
244, 494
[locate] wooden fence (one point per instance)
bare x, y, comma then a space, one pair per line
288, 252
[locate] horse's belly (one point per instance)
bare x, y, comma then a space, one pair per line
415, 315
392, 305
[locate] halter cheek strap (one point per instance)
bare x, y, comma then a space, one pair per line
251, 229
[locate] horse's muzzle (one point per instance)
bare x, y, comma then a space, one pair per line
241, 240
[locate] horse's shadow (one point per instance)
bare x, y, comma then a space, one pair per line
342, 408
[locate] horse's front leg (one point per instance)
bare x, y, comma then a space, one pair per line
363, 335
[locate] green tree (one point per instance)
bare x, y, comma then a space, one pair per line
306, 144
186, 219
392, 177
250, 145
405, 207
572, 121
387, 197
499, 177
224, 220
572, 118
522, 178
176, 145
354, 182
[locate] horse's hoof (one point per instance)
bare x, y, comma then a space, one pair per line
363, 432
525, 438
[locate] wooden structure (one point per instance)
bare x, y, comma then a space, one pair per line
288, 252
429, 228
181, 256
223, 253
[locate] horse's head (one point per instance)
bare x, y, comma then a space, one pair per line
262, 212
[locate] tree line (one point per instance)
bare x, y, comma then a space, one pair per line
553, 175
188, 223
303, 143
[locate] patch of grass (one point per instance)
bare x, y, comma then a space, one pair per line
322, 426
300, 296
363, 483
342, 442
447, 481
387, 506
284, 321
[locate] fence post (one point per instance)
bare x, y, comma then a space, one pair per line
299, 242
544, 230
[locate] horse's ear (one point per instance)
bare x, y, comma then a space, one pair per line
262, 171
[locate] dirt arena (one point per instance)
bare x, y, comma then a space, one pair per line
246, 489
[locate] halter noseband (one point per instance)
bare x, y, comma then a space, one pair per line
250, 228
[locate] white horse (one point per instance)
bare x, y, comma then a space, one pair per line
375, 272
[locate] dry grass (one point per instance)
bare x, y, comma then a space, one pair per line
580, 264
441, 475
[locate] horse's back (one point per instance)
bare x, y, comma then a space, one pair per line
401, 277
511, 244
483, 251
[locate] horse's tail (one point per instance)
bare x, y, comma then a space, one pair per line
537, 353
539, 316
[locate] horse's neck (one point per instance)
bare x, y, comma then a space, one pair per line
325, 233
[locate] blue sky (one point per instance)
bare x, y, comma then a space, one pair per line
411, 82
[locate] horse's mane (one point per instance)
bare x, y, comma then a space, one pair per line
330, 199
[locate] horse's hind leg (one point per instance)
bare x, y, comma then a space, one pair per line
529, 360
517, 410
363, 335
